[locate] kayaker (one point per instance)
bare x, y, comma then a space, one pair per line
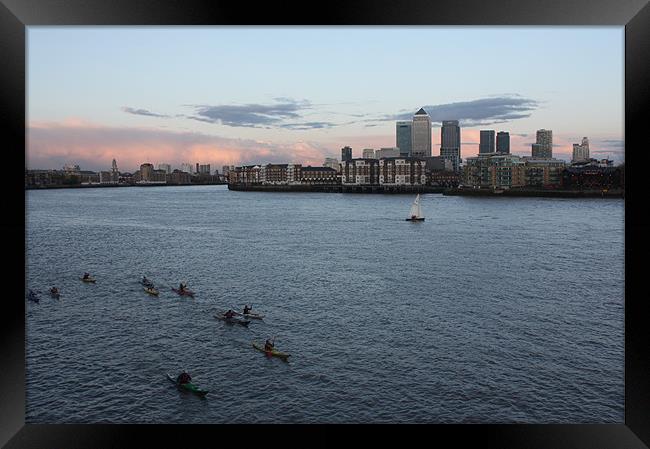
181, 287
183, 378
54, 290
247, 309
229, 314
86, 275
268, 346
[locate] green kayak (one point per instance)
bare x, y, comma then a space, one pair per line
283, 355
188, 386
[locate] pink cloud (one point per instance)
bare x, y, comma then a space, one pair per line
93, 147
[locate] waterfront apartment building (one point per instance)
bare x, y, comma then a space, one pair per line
494, 170
403, 137
360, 172
318, 175
580, 151
203, 169
543, 146
486, 144
593, 176
271, 174
450, 143
387, 152
503, 142
346, 154
402, 171
187, 168
543, 172
368, 153
421, 134
293, 173
246, 174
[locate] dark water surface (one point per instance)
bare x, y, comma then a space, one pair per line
492, 310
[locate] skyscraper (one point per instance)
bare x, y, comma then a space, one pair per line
421, 134
543, 147
503, 142
346, 154
581, 151
487, 142
368, 153
403, 137
450, 142
114, 167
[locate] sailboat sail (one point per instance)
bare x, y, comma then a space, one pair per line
416, 211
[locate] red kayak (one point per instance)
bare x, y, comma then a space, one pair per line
184, 292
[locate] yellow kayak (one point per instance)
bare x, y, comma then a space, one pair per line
151, 291
89, 280
274, 352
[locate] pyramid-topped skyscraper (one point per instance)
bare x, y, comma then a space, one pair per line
421, 134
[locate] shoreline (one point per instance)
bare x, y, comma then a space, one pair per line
542, 193
336, 188
547, 193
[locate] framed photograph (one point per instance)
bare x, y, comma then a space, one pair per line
388, 213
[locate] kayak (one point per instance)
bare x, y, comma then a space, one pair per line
151, 291
255, 316
188, 386
283, 355
89, 280
184, 292
232, 320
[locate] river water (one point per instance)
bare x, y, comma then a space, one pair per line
493, 310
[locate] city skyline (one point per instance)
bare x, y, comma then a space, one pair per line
301, 94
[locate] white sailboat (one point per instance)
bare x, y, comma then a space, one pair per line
416, 211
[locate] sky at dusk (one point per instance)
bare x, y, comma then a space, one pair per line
249, 95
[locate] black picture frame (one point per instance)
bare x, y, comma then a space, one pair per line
16, 15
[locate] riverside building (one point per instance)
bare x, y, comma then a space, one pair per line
271, 174
402, 171
360, 172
